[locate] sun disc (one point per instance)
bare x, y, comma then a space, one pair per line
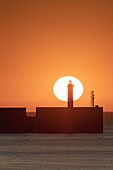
60, 88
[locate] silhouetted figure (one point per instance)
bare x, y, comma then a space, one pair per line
70, 94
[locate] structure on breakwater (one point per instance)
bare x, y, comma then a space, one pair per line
53, 119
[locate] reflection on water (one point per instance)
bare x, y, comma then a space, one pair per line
56, 151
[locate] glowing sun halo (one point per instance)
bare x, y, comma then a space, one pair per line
60, 88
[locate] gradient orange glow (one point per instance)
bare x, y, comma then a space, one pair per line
43, 40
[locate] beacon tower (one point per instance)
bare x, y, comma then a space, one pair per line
70, 94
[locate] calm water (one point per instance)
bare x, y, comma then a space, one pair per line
56, 152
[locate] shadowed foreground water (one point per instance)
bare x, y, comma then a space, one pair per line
56, 151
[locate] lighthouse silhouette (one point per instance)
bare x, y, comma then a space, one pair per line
70, 95
69, 119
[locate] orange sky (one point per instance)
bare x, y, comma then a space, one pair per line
43, 40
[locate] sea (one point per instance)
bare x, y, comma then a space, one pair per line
57, 151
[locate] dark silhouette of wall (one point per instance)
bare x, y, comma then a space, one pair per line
52, 120
14, 120
66, 120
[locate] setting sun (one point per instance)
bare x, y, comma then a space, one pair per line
60, 88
